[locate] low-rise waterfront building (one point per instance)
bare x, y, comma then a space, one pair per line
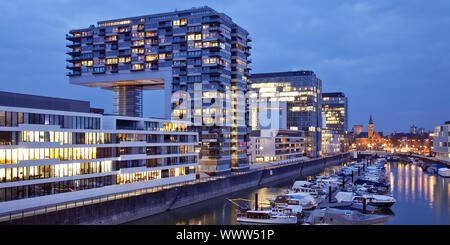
271, 145
50, 146
441, 142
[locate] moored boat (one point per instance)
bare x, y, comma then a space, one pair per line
371, 199
333, 216
276, 216
444, 172
304, 200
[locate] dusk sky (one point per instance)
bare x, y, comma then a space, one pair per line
390, 58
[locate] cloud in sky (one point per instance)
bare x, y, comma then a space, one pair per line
391, 58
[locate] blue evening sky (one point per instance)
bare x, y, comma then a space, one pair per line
390, 58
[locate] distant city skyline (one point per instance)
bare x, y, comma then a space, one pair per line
389, 58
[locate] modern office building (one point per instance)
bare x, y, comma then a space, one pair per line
51, 146
271, 145
335, 109
301, 90
441, 142
331, 142
200, 53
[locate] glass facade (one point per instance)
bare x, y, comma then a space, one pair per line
47, 161
127, 100
335, 110
301, 91
12, 119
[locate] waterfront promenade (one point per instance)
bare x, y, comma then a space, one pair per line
114, 205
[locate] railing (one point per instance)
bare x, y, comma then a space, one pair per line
9, 216
6, 217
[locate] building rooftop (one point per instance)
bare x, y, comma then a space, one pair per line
333, 94
158, 17
282, 74
43, 102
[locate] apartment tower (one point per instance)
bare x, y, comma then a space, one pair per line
199, 54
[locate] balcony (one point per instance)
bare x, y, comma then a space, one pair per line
215, 54
73, 44
73, 73
179, 64
137, 67
98, 70
165, 24
72, 37
125, 52
73, 67
99, 48
211, 70
211, 20
73, 52
124, 30
73, 59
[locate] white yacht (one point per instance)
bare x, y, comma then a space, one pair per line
444, 172
307, 187
275, 216
304, 200
371, 199
333, 216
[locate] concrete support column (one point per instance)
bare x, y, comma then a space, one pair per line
127, 100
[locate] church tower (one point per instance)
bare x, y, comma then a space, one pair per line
370, 127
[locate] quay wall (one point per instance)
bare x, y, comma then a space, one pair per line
427, 160
131, 208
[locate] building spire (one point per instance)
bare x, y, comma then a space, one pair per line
370, 120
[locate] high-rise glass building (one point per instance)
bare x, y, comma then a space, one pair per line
199, 52
335, 110
301, 91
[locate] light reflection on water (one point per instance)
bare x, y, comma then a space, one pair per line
421, 199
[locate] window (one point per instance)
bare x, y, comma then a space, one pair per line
2, 118
151, 57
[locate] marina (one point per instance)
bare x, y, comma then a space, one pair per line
413, 189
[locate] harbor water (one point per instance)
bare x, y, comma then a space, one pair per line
422, 199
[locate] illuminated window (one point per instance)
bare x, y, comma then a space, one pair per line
195, 37
137, 67
111, 38
111, 61
151, 57
151, 33
162, 56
